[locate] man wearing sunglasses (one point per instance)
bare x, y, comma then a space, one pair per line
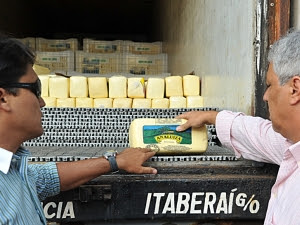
23, 186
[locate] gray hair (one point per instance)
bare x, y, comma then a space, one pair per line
285, 56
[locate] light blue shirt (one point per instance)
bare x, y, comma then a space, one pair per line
23, 186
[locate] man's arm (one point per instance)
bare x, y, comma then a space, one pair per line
73, 174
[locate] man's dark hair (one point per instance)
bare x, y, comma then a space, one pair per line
14, 59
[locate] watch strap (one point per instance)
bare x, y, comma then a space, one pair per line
113, 163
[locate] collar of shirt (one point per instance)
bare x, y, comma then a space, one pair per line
5, 160
295, 151
6, 157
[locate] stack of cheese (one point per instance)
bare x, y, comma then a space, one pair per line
122, 92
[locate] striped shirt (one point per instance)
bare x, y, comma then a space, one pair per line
22, 188
254, 138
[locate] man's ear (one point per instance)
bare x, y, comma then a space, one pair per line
295, 90
4, 100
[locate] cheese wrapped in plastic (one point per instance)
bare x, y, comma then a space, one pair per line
177, 102
65, 102
122, 103
141, 103
39, 70
160, 103
78, 87
49, 101
59, 87
194, 101
97, 87
136, 87
103, 103
191, 85
84, 103
117, 87
45, 85
161, 136
174, 86
155, 88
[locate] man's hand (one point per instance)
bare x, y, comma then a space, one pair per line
197, 119
132, 159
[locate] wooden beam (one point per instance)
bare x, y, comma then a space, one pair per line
279, 19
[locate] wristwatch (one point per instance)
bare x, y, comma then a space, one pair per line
110, 155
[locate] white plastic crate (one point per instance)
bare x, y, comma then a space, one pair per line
56, 61
29, 42
56, 45
98, 46
143, 47
144, 64
97, 63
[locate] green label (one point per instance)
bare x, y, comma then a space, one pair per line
94, 61
145, 62
60, 45
142, 49
153, 134
50, 59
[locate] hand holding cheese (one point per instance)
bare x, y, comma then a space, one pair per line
161, 136
197, 119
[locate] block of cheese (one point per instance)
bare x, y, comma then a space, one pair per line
191, 85
194, 101
45, 85
122, 103
174, 86
84, 103
141, 103
161, 136
136, 87
39, 70
49, 101
177, 102
59, 87
155, 88
78, 87
103, 102
97, 87
117, 87
160, 103
65, 102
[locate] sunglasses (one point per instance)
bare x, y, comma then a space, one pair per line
35, 87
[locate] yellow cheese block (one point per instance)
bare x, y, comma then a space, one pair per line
65, 102
174, 86
194, 101
59, 87
177, 102
103, 102
191, 85
141, 103
117, 87
49, 101
155, 88
161, 136
97, 87
160, 103
84, 103
39, 70
122, 103
78, 87
136, 87
45, 85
